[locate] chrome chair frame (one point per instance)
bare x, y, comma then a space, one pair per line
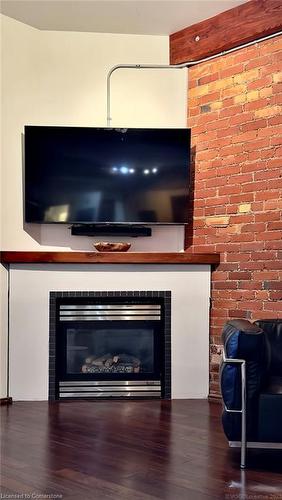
243, 444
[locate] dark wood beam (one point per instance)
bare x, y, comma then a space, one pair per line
234, 27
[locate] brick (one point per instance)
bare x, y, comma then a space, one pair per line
263, 255
231, 111
254, 125
221, 84
260, 83
246, 197
242, 294
267, 174
267, 111
256, 228
230, 189
265, 92
228, 131
271, 235
244, 208
253, 305
209, 97
256, 105
274, 225
267, 195
275, 295
257, 62
243, 218
220, 275
208, 78
245, 137
272, 285
231, 70
217, 221
277, 77
228, 170
252, 266
246, 76
225, 285
205, 108
257, 206
219, 200
267, 216
240, 99
243, 237
254, 186
273, 306
275, 120
246, 246
273, 245
240, 117
252, 96
266, 275
237, 275
262, 294
215, 182
258, 144
250, 285
198, 91
206, 193
277, 264
234, 91
238, 313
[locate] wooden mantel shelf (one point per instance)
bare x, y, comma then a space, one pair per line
108, 258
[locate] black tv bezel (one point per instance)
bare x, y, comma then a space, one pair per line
99, 223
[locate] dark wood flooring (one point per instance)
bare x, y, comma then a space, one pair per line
123, 450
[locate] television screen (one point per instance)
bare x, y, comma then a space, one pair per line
89, 175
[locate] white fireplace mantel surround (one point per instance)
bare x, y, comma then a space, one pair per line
30, 285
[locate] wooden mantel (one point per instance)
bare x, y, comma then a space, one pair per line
108, 258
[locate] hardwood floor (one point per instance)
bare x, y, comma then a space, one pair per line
121, 450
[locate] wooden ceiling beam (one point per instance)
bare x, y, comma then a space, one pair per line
245, 23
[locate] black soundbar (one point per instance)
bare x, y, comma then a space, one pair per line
110, 230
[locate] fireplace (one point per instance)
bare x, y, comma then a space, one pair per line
109, 344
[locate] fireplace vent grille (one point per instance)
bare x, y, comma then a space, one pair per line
117, 389
110, 312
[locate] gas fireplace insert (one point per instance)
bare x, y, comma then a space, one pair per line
109, 346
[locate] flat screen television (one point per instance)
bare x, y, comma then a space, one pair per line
84, 175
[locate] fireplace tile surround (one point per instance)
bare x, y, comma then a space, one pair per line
89, 297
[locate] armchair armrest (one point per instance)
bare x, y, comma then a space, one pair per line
243, 409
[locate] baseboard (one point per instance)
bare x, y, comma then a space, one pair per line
6, 401
214, 398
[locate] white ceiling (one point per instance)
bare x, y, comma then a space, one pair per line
158, 17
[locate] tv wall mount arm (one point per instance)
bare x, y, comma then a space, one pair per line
186, 64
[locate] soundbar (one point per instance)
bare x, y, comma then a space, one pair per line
110, 230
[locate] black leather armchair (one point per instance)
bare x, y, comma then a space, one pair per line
251, 384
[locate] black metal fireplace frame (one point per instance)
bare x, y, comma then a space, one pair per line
161, 297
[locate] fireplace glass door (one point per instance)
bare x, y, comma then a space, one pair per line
109, 350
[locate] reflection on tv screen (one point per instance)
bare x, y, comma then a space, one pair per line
87, 175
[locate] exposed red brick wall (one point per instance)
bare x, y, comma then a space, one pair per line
234, 111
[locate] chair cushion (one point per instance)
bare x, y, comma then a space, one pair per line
274, 386
273, 330
270, 418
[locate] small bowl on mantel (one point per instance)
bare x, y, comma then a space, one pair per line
107, 246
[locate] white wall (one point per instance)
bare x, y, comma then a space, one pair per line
59, 78
3, 281
29, 318
3, 330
